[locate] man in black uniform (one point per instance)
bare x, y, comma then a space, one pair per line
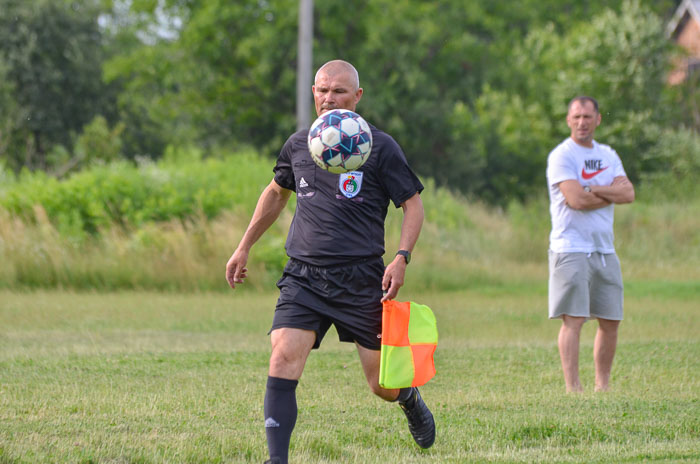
335, 273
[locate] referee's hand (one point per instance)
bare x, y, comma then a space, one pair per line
393, 278
236, 272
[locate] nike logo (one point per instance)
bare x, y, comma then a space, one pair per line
591, 175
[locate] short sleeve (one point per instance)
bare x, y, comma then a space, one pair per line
559, 168
617, 165
398, 179
284, 175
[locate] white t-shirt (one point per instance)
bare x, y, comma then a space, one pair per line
577, 230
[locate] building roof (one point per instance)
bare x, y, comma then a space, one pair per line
689, 7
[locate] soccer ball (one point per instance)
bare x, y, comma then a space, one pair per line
340, 141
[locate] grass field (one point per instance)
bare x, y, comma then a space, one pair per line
179, 378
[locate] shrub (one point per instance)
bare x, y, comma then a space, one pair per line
129, 195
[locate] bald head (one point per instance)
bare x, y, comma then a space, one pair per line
336, 86
337, 67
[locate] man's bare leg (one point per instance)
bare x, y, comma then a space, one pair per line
604, 352
569, 340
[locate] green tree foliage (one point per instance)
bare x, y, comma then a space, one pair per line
675, 164
618, 57
413, 72
52, 52
504, 140
9, 111
98, 143
686, 99
475, 92
622, 60
229, 77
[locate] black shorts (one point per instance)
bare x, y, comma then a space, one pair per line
347, 296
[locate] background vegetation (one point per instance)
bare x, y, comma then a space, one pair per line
474, 91
172, 225
136, 135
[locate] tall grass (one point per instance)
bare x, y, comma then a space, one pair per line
463, 243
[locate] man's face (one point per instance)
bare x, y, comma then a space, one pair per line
335, 91
582, 119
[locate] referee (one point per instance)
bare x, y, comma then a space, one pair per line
321, 285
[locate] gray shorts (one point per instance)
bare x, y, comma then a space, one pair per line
585, 285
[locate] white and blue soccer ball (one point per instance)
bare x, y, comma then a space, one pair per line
340, 141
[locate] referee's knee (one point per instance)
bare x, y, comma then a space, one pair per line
284, 366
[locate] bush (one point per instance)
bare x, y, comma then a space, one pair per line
172, 225
675, 161
130, 195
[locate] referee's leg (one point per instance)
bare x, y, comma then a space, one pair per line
370, 360
290, 349
421, 423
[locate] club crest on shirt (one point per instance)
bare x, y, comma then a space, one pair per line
350, 183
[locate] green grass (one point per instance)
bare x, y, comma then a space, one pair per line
139, 377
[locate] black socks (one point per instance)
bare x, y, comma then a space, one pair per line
280, 415
404, 395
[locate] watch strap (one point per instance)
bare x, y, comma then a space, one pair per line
406, 255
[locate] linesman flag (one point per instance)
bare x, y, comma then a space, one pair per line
409, 339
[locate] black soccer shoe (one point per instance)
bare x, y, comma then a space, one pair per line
273, 461
420, 420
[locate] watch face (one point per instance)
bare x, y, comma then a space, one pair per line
406, 255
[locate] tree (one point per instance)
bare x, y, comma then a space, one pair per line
618, 57
505, 140
227, 78
622, 59
475, 92
454, 80
10, 114
53, 57
413, 71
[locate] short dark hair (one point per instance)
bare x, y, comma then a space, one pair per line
584, 99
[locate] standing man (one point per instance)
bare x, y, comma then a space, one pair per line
585, 180
323, 284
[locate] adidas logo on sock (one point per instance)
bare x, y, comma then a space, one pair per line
303, 183
270, 422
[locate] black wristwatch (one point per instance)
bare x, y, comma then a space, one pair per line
406, 255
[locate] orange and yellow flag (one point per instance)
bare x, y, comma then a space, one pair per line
409, 340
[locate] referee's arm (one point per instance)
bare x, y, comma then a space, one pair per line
410, 230
270, 204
